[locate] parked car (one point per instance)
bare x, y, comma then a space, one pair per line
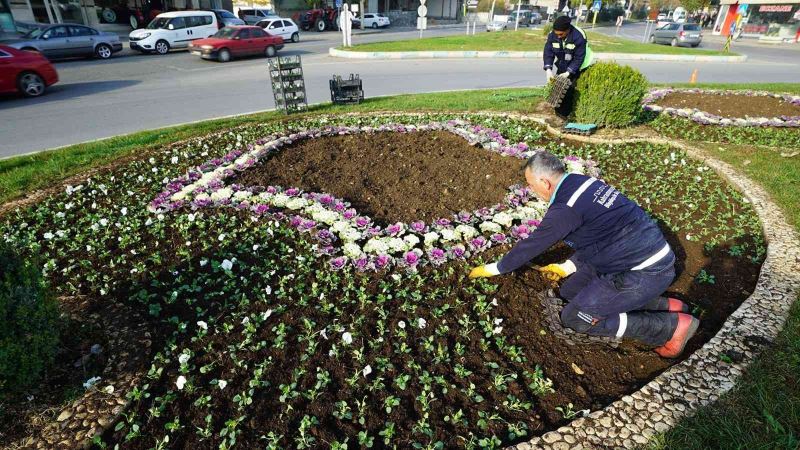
237, 41
661, 16
28, 73
68, 40
372, 20
677, 34
173, 30
526, 18
226, 18
500, 23
285, 28
252, 16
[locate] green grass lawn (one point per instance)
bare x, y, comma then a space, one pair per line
762, 412
523, 40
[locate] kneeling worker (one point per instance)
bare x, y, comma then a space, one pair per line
567, 49
621, 266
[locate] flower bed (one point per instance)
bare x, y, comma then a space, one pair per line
732, 114
258, 342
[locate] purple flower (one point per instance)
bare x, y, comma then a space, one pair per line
201, 203
325, 236
260, 208
418, 226
362, 222
478, 243
411, 258
362, 264
464, 217
499, 238
307, 225
349, 214
395, 229
458, 251
534, 223
520, 232
382, 261
443, 222
338, 263
292, 192
339, 206
326, 199
295, 221
437, 256
271, 189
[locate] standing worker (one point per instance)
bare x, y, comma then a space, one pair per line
621, 266
567, 49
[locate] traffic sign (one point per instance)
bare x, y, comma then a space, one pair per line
422, 24
472, 4
422, 10
597, 5
338, 3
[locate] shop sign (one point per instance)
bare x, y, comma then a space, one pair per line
775, 8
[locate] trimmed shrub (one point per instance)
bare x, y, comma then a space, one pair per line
29, 323
609, 95
547, 28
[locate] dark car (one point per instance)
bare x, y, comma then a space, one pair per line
231, 42
226, 18
68, 40
28, 73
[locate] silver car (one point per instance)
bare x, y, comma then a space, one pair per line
497, 25
226, 18
68, 40
677, 34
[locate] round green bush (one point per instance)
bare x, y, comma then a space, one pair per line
609, 95
29, 323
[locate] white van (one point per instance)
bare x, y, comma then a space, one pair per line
173, 30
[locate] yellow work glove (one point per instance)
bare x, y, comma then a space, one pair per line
555, 272
486, 271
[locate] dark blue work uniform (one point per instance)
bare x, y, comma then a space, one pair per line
623, 261
566, 55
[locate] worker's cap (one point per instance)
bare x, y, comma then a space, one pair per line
561, 23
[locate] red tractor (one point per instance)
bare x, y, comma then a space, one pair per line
321, 19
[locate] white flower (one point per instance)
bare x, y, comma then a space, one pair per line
347, 338
296, 203
376, 245
174, 160
203, 262
367, 370
49, 235
494, 302
490, 227
352, 250
350, 235
202, 197
402, 325
503, 219
325, 216
256, 247
221, 194
242, 195
575, 167
124, 211
191, 217
340, 226
411, 240
265, 315
268, 290
498, 321
422, 323
280, 200
397, 244
108, 389
222, 384
431, 238
466, 231
245, 321
448, 234
202, 325
180, 382
183, 358
227, 264
497, 330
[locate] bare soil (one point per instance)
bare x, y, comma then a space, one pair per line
732, 106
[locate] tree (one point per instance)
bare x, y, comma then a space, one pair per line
695, 5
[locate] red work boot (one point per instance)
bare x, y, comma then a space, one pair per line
675, 305
687, 327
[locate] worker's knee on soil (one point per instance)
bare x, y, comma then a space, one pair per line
573, 318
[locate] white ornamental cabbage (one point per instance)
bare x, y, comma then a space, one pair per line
376, 246
280, 200
490, 227
340, 226
524, 213
265, 196
503, 219
397, 245
242, 195
575, 167
449, 234
183, 358
221, 194
325, 216
352, 250
180, 382
350, 235
296, 203
466, 231
411, 240
431, 238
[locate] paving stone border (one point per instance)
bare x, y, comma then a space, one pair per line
628, 422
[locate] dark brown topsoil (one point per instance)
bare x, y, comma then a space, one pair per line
390, 169
394, 177
732, 106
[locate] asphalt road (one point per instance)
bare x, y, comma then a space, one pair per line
132, 92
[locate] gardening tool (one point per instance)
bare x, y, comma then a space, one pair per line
583, 129
558, 90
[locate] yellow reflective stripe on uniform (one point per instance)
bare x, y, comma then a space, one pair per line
588, 59
570, 46
556, 45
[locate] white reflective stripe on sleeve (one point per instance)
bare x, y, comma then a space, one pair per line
492, 269
653, 259
623, 324
580, 190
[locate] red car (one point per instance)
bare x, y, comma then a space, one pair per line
231, 42
28, 73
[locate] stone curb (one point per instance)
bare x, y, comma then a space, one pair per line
528, 55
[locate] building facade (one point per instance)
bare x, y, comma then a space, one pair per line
770, 20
